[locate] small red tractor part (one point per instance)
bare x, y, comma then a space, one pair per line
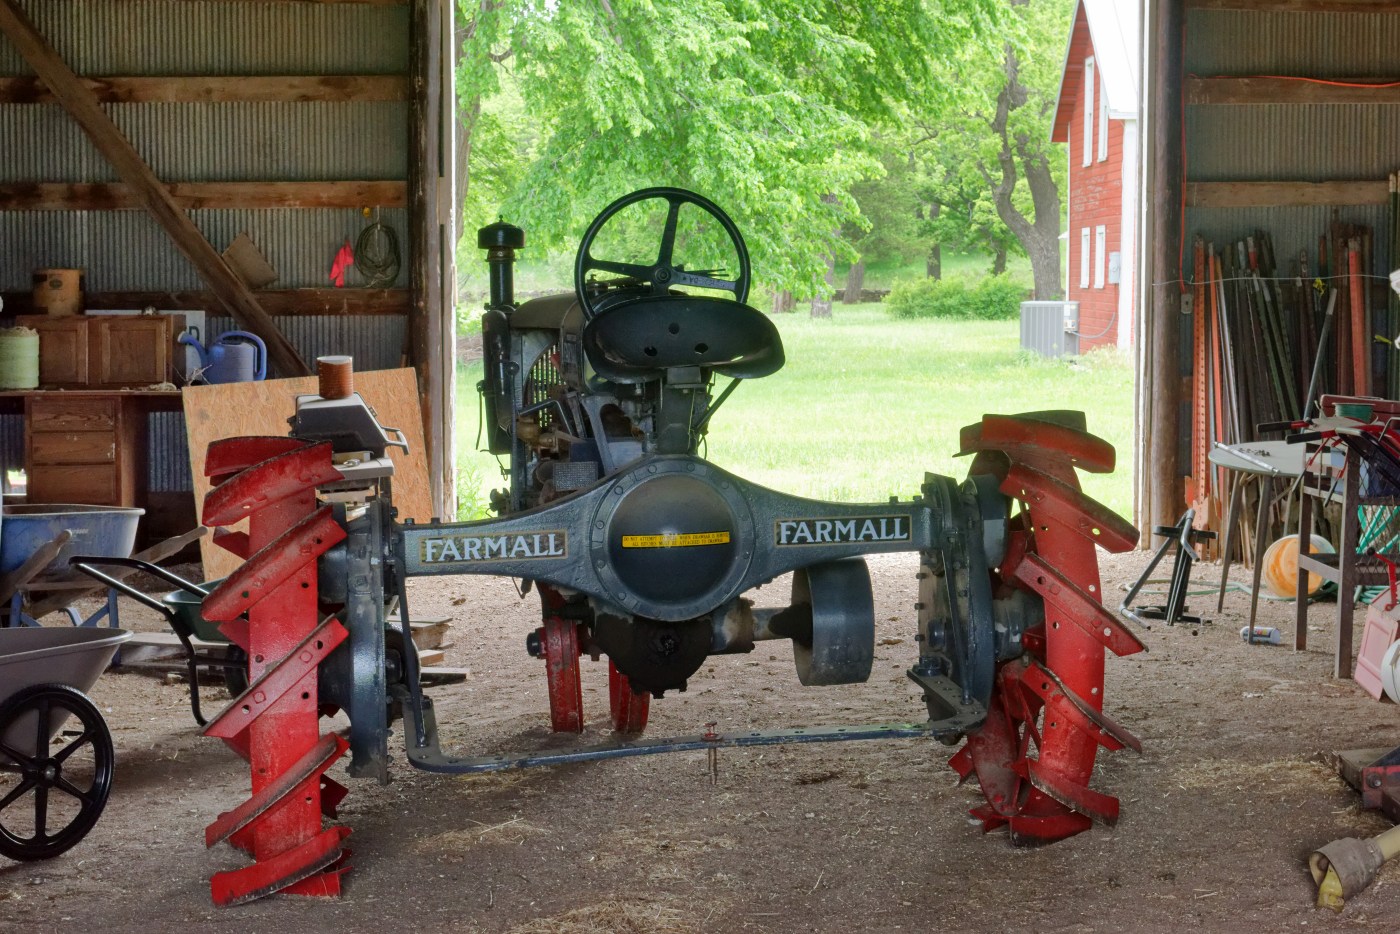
643, 551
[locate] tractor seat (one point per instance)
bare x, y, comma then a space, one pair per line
639, 340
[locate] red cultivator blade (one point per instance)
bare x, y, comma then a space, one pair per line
1035, 753
275, 723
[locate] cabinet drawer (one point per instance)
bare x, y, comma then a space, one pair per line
72, 447
94, 485
50, 413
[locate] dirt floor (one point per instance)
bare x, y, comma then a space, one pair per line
1219, 812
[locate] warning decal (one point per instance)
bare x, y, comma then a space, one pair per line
675, 540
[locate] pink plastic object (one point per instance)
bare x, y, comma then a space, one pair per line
1380, 633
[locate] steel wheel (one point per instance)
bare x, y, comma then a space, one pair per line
1035, 753
561, 652
53, 785
629, 708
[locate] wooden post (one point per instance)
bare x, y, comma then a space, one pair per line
80, 102
426, 242
1164, 377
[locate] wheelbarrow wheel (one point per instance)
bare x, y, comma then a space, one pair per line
235, 670
56, 766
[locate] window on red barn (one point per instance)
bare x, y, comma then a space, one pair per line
1089, 85
1100, 257
1084, 257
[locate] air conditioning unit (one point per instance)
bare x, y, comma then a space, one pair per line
1049, 328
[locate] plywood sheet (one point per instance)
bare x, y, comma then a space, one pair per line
262, 408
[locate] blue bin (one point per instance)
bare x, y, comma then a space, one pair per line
108, 531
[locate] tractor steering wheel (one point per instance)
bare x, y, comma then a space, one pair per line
665, 273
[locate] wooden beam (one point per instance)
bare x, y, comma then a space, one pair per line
191, 196
84, 108
1285, 194
29, 89
281, 302
1298, 6
1208, 91
315, 2
426, 247
1164, 475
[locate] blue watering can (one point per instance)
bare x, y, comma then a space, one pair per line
236, 357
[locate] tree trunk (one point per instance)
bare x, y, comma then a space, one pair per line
1041, 236
821, 302
933, 265
855, 283
783, 302
999, 259
466, 122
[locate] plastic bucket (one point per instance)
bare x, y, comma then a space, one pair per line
19, 358
1280, 571
1390, 672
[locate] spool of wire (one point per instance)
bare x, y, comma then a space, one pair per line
377, 255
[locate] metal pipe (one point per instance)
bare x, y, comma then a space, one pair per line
1321, 349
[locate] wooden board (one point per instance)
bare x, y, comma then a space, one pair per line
262, 408
192, 196
276, 301
1241, 194
180, 89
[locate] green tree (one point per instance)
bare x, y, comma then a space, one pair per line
889, 229
994, 142
764, 105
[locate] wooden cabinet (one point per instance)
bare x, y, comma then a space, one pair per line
105, 352
82, 448
128, 352
63, 349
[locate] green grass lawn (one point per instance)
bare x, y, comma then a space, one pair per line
867, 404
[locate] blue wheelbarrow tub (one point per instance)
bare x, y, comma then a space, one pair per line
69, 655
105, 531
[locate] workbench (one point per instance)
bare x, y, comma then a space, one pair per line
1348, 568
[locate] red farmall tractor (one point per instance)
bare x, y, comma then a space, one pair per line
642, 550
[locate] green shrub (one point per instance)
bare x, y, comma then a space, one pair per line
990, 298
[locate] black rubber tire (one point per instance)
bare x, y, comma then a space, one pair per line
236, 671
41, 774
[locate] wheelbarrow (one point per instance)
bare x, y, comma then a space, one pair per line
35, 549
56, 758
181, 609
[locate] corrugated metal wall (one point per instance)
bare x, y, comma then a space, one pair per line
211, 38
1320, 45
210, 142
1278, 142
311, 141
127, 250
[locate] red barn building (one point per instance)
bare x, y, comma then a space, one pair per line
1096, 115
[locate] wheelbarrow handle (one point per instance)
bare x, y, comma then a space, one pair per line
80, 563
83, 563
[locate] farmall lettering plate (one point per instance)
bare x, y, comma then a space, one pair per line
841, 531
